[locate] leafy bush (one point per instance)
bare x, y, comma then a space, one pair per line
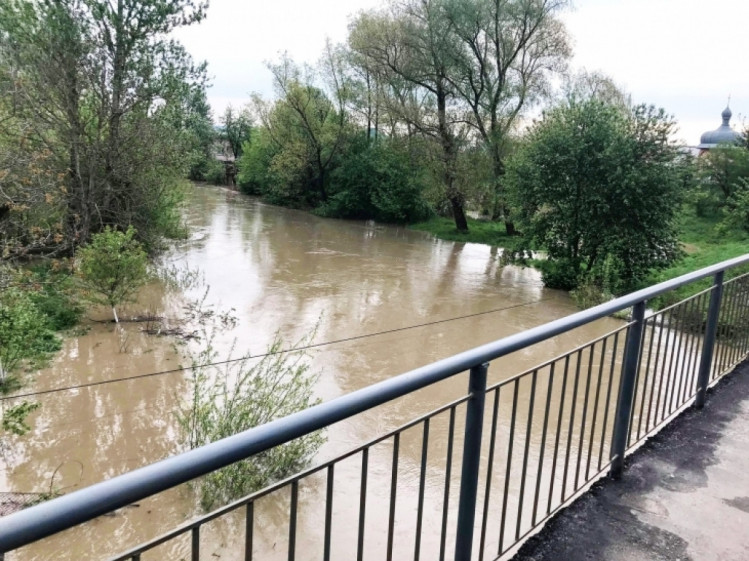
239, 396
562, 274
379, 182
112, 268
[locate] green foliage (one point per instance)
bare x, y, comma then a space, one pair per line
112, 268
561, 273
599, 186
377, 181
116, 108
52, 290
215, 173
242, 395
25, 334
14, 418
479, 231
237, 129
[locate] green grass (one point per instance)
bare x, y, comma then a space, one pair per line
705, 244
479, 231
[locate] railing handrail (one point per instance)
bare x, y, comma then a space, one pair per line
46, 519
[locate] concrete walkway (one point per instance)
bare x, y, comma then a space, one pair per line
683, 496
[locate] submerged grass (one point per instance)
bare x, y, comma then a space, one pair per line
479, 231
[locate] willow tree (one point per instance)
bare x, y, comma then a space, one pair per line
412, 49
505, 53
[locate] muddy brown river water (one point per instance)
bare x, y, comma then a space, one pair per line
281, 271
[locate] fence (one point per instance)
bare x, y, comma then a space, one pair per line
513, 453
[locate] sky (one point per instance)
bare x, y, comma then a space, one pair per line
686, 56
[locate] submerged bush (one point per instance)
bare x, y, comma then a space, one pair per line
240, 395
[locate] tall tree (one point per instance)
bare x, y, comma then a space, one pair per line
412, 49
237, 128
505, 52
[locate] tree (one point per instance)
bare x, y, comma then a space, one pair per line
505, 52
412, 50
98, 84
598, 186
112, 268
237, 129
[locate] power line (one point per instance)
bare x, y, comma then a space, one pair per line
282, 351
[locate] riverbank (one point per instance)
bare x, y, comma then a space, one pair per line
703, 243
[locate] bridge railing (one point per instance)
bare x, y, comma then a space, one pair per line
515, 452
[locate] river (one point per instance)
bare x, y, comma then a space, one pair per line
387, 299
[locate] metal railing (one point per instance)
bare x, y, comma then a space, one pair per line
530, 443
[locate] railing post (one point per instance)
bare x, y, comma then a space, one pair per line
708, 345
626, 390
469, 478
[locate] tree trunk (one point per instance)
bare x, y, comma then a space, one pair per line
459, 214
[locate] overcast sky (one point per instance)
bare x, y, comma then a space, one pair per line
684, 55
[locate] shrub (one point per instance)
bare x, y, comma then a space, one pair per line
112, 268
228, 400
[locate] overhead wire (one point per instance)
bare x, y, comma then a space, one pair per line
263, 355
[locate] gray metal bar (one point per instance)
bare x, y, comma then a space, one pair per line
469, 479
48, 518
708, 344
626, 391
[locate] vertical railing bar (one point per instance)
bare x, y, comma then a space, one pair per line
723, 316
469, 474
292, 519
696, 330
627, 383
135, 557
362, 503
683, 352
559, 432
508, 468
525, 453
731, 317
663, 388
489, 473
543, 443
652, 321
745, 346
448, 473
696, 351
657, 376
708, 343
614, 349
393, 495
328, 511
669, 380
195, 553
581, 444
692, 337
249, 524
636, 388
740, 352
571, 426
731, 321
742, 306
595, 407
422, 483
679, 332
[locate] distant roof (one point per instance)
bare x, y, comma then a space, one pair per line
723, 134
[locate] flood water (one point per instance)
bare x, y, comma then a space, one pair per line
386, 299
